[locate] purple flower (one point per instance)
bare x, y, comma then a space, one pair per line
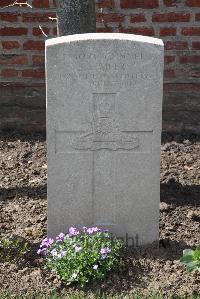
54, 252
78, 248
105, 250
92, 230
42, 251
47, 242
43, 243
73, 231
60, 237
57, 255
39, 251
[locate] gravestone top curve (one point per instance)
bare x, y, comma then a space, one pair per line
104, 36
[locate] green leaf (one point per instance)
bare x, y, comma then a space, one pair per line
191, 259
188, 252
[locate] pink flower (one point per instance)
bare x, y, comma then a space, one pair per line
60, 237
47, 242
73, 231
105, 250
92, 230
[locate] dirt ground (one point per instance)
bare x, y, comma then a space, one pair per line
23, 212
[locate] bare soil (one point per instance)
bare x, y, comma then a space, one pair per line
23, 212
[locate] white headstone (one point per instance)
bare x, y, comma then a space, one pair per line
104, 106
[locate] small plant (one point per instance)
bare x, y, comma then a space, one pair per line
191, 259
82, 256
14, 248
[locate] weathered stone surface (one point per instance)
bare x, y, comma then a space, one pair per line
76, 16
104, 106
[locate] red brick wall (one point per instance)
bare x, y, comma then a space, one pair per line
177, 22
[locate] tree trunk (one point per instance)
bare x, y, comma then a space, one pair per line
76, 16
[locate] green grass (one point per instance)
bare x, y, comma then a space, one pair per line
80, 295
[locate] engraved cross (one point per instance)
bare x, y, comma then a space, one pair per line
104, 141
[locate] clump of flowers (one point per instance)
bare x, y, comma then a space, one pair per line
82, 256
191, 259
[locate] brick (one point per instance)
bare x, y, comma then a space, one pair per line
9, 45
5, 3
38, 32
105, 3
167, 31
170, 3
176, 45
37, 17
169, 74
13, 59
196, 45
186, 73
182, 87
139, 30
125, 4
190, 59
195, 74
191, 31
197, 17
193, 3
136, 18
34, 45
38, 59
171, 17
9, 73
11, 31
40, 3
8, 17
33, 73
110, 18
169, 59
